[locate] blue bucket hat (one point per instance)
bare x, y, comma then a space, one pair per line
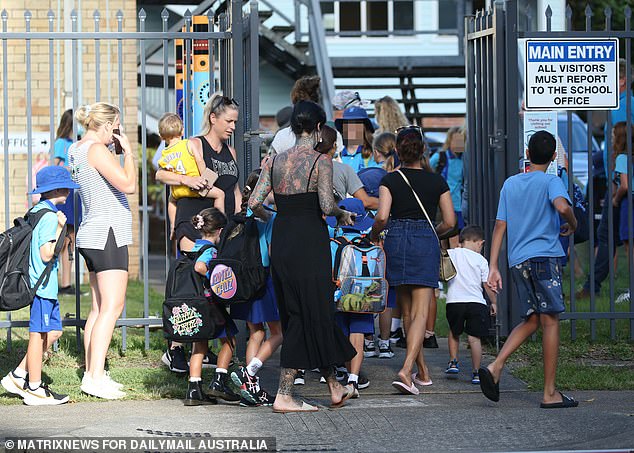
352, 114
51, 178
363, 219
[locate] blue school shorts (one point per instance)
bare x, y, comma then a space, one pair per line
412, 253
391, 298
538, 284
45, 315
355, 323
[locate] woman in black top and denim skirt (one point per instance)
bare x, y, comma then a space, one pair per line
411, 247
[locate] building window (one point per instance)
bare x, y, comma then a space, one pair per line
447, 18
362, 16
328, 15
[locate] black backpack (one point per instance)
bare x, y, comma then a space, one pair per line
15, 251
237, 273
188, 312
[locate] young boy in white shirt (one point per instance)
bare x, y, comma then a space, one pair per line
467, 310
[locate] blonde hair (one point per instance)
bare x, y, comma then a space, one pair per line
388, 115
93, 116
450, 133
219, 108
170, 126
385, 145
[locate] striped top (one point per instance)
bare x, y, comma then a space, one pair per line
104, 206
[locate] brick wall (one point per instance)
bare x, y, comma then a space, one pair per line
41, 85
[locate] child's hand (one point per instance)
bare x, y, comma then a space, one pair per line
566, 230
495, 280
61, 218
493, 309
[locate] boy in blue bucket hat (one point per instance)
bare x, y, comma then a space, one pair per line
357, 129
355, 325
45, 324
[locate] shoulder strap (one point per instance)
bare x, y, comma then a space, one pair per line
419, 203
33, 218
310, 175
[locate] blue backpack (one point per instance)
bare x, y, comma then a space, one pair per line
371, 178
359, 275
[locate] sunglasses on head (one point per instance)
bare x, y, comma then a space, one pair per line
410, 128
223, 100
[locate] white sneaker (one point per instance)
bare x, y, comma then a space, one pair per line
114, 384
14, 384
101, 388
43, 396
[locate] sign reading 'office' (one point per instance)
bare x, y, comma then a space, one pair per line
571, 74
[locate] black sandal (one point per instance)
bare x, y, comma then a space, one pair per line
565, 402
489, 387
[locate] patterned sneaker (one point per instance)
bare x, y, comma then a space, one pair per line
246, 403
12, 383
43, 396
248, 385
265, 398
300, 377
385, 350
196, 397
369, 348
475, 377
341, 373
175, 360
452, 367
219, 388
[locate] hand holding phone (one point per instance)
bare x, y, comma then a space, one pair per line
118, 149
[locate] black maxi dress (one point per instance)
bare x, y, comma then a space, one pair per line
302, 278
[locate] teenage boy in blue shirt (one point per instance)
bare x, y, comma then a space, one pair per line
528, 213
45, 323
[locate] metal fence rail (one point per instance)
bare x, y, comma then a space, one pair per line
493, 108
238, 77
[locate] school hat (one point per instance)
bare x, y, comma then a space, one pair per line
354, 114
51, 178
362, 222
283, 117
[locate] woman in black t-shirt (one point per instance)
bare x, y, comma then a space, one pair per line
411, 247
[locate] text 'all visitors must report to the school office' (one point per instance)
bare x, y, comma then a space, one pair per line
572, 74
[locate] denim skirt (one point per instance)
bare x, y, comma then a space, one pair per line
412, 253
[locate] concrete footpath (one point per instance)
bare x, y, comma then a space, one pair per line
450, 415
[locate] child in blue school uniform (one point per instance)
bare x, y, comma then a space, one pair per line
210, 223
256, 313
355, 325
357, 129
45, 322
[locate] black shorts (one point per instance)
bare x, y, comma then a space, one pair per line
110, 258
470, 317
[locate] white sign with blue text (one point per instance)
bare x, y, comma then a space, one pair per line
572, 74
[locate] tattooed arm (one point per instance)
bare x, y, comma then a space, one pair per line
326, 197
260, 192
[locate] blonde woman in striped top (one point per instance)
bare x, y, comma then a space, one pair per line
104, 233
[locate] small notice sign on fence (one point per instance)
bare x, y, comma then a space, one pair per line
572, 74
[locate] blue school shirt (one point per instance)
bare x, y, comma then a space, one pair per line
532, 222
620, 166
266, 231
207, 255
453, 174
617, 116
60, 149
45, 231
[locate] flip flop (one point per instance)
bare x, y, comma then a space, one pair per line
305, 408
345, 397
489, 387
404, 388
565, 402
417, 381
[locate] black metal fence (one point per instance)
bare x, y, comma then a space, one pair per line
234, 35
494, 103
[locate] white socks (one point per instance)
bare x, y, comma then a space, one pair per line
34, 385
254, 366
195, 379
429, 333
353, 377
221, 370
19, 372
396, 323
